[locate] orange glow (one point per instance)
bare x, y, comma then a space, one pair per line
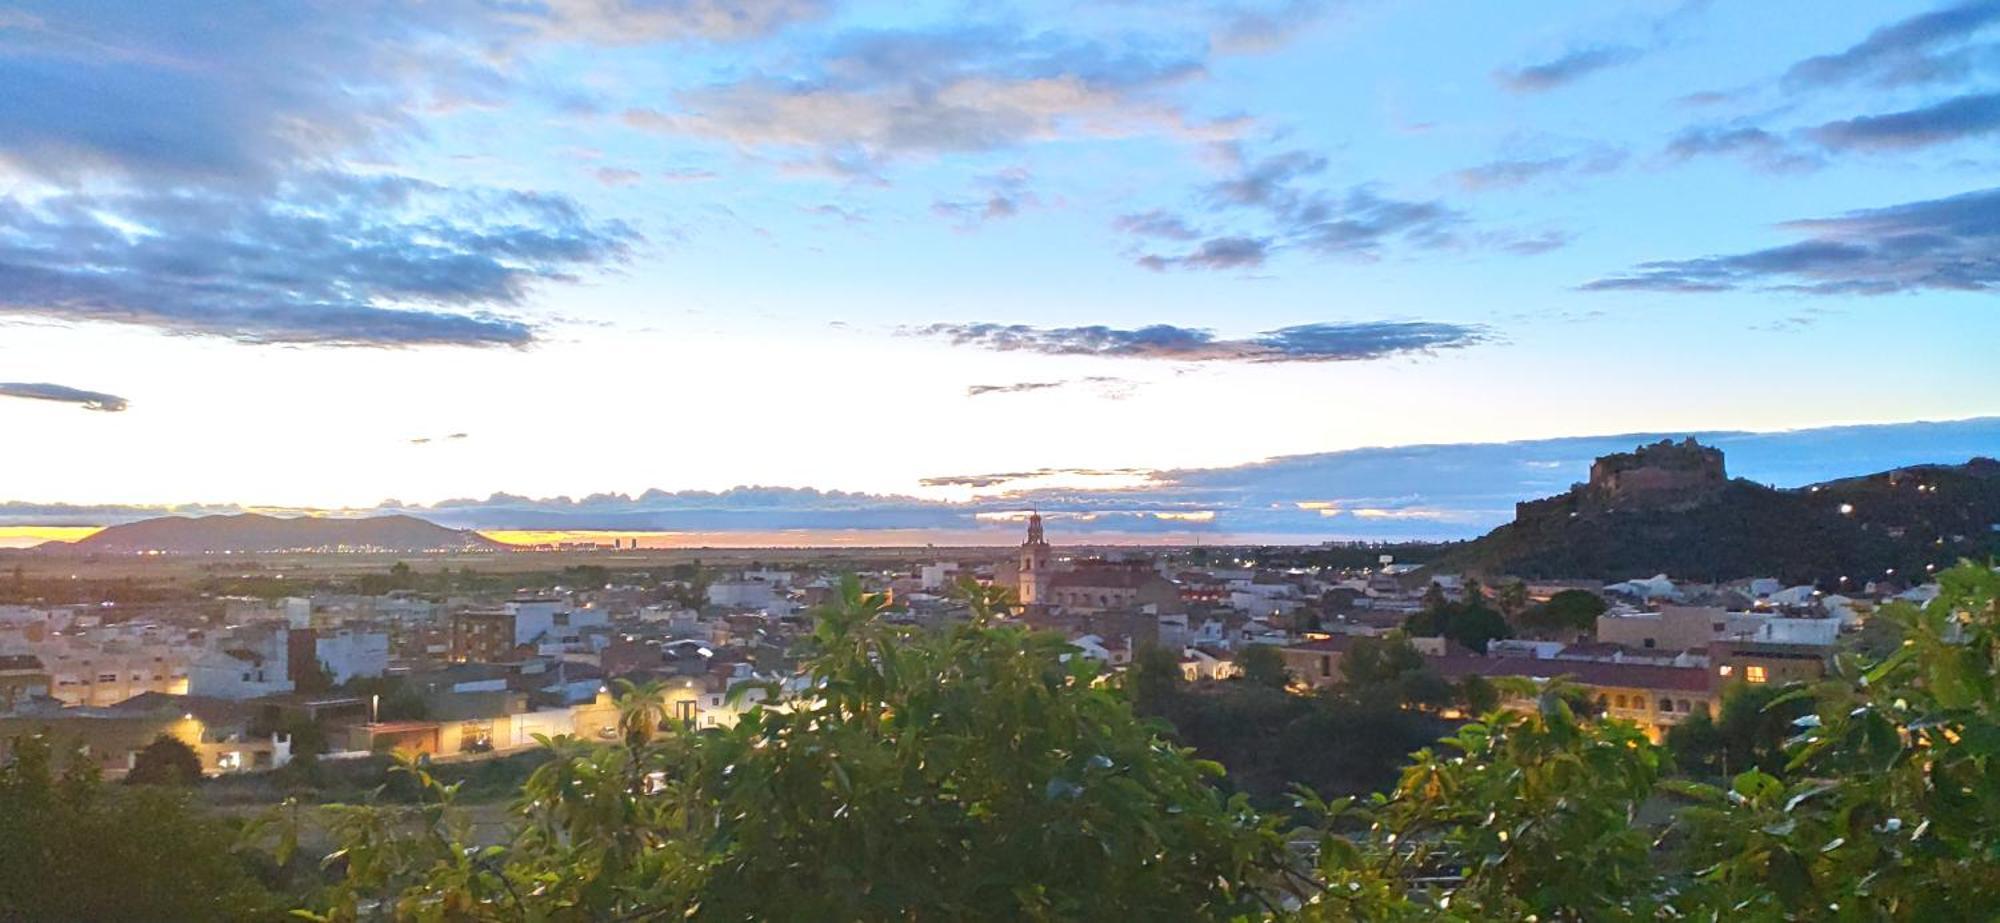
30, 536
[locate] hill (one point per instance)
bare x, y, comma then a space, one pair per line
1670, 508
253, 533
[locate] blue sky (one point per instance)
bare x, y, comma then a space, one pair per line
288, 252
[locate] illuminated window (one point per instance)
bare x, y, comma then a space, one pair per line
1754, 674
1725, 669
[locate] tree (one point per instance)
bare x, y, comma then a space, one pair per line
1153, 680
1380, 661
1749, 733
1566, 611
1512, 599
1888, 805
165, 761
1263, 665
73, 849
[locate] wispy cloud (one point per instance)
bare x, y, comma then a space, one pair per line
867, 98
42, 391
1951, 120
1566, 68
1331, 342
999, 195
1939, 244
1925, 48
1757, 146
1280, 205
1107, 386
1509, 172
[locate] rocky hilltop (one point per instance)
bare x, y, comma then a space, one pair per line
1670, 507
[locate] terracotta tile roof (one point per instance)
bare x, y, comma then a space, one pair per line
1627, 675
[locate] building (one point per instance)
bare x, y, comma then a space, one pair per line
22, 679
1316, 663
245, 664
1759, 662
483, 636
1037, 565
218, 730
1654, 697
1108, 587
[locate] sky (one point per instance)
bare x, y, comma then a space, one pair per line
394, 256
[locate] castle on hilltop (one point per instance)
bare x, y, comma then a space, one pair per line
1664, 474
1666, 470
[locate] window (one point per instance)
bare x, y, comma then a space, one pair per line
1620, 701
107, 677
1649, 644
1684, 707
1666, 705
1755, 673
1724, 670
1325, 665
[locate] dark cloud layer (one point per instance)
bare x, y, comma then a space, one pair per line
1940, 244
326, 258
42, 391
1422, 491
1339, 342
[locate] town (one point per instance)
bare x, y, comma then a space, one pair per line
251, 684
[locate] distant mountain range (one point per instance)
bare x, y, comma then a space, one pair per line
1668, 508
254, 533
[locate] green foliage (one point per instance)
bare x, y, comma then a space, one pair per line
1263, 665
1750, 732
979, 772
1472, 623
165, 761
73, 849
985, 772
1888, 807
1568, 611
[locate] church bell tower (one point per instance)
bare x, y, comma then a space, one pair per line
1035, 569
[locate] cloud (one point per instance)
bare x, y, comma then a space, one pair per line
1909, 51
1277, 196
89, 400
1107, 386
1939, 244
1156, 223
1018, 387
617, 176
1001, 195
1215, 253
188, 171
324, 258
1404, 492
1511, 172
870, 97
1568, 68
1759, 147
1954, 119
628, 22
1258, 27
1331, 342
